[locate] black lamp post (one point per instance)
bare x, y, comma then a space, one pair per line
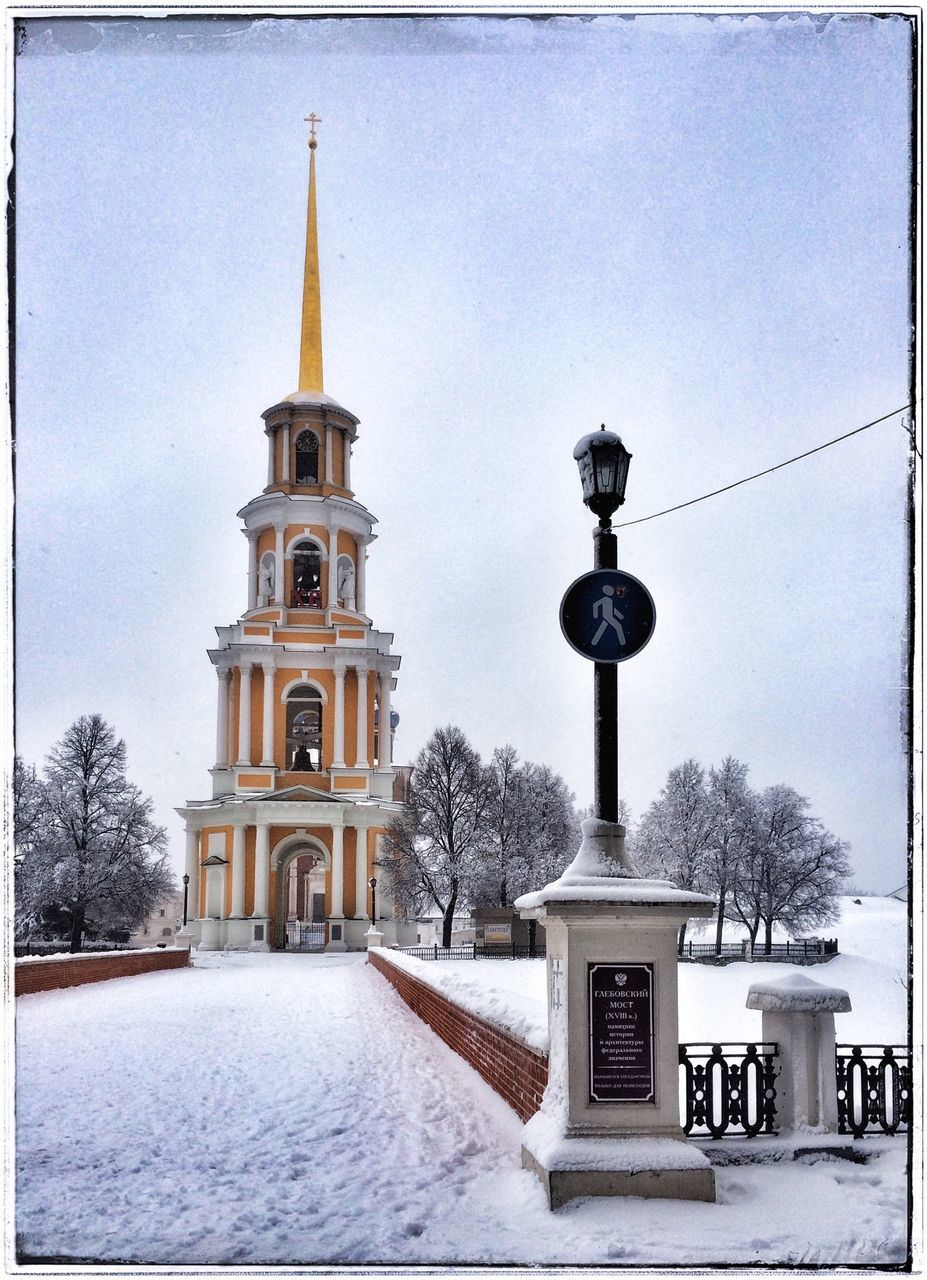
603, 468
373, 900
186, 885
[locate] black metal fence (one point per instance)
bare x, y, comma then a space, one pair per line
728, 1089
798, 951
64, 945
873, 1089
475, 951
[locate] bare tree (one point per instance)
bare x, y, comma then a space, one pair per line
552, 832
104, 858
30, 869
732, 819
675, 834
431, 847
792, 871
506, 829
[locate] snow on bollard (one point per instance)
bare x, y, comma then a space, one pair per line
374, 938
798, 1014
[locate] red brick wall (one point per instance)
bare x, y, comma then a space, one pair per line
517, 1072
73, 971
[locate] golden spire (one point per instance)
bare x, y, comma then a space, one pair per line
310, 344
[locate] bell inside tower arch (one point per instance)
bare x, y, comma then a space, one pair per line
307, 576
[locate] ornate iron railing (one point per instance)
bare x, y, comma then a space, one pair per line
476, 951
873, 1088
728, 1089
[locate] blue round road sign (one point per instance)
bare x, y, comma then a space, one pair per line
607, 615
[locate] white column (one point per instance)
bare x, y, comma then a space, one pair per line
337, 872
244, 715
329, 460
363, 690
261, 870
361, 601
360, 878
385, 735
279, 531
332, 568
271, 438
339, 718
238, 872
222, 719
192, 869
347, 460
286, 454
267, 752
252, 568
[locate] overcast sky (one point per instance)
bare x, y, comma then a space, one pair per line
692, 229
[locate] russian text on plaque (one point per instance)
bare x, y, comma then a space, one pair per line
621, 1032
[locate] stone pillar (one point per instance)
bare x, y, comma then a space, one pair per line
279, 576
798, 1015
613, 1076
361, 592
385, 731
222, 719
332, 567
329, 460
285, 470
261, 871
363, 693
361, 888
191, 868
337, 873
244, 715
238, 872
252, 568
347, 460
338, 761
271, 439
267, 745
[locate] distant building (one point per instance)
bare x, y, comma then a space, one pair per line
161, 927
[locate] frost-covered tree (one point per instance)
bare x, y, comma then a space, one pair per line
553, 834
674, 836
506, 830
792, 871
431, 847
95, 858
29, 870
732, 810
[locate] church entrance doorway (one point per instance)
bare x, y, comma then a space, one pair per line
301, 922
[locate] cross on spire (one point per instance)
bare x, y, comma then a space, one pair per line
312, 120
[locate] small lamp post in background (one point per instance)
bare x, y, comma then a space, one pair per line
186, 886
603, 468
373, 900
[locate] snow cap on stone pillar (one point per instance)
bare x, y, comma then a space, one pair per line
797, 994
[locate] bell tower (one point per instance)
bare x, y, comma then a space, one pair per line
303, 779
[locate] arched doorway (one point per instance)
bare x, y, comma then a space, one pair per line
300, 915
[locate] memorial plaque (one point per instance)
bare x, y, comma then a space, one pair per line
621, 1033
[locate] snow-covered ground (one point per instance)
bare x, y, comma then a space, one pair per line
872, 967
291, 1109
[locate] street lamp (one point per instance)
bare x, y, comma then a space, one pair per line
373, 900
186, 885
603, 468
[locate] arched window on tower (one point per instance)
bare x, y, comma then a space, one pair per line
304, 729
307, 576
307, 458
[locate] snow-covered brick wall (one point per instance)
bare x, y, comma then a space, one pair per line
516, 1071
49, 973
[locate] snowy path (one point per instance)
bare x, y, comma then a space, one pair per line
291, 1109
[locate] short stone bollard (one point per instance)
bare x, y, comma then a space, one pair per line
609, 1121
374, 938
798, 1015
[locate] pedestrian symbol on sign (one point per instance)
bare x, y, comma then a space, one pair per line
607, 615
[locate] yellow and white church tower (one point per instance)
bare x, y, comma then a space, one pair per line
303, 782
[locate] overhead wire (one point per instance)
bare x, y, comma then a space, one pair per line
768, 471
